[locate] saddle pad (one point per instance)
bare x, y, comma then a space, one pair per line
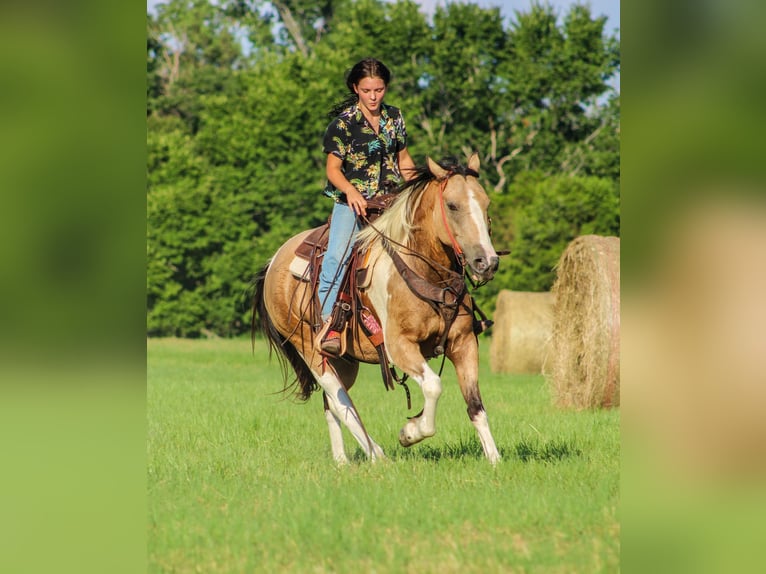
299, 267
314, 245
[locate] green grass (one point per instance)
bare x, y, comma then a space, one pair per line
242, 480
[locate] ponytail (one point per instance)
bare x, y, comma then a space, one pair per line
350, 100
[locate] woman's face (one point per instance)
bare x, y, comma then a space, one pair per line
371, 92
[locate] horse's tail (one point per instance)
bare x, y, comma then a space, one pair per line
304, 383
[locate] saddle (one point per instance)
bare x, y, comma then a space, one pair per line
308, 255
307, 263
348, 312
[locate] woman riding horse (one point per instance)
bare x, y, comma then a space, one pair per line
366, 147
418, 251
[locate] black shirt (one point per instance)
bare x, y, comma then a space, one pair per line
370, 160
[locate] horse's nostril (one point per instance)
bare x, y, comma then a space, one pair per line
484, 265
480, 264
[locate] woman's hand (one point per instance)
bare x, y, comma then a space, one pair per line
357, 202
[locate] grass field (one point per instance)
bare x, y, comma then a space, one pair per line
242, 480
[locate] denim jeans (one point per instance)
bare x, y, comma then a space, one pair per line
343, 229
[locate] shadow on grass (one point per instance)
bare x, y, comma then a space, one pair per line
470, 448
549, 451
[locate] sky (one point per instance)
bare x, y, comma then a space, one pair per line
608, 8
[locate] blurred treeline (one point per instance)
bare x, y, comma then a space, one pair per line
237, 99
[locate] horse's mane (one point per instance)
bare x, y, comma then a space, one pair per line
396, 222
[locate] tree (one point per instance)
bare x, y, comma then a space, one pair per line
194, 52
561, 208
238, 93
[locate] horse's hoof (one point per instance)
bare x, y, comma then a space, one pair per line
405, 439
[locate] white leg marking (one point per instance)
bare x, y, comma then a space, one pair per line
343, 409
423, 426
336, 437
481, 422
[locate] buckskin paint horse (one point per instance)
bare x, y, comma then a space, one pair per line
438, 228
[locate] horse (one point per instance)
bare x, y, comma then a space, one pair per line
436, 230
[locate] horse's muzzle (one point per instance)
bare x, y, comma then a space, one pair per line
485, 267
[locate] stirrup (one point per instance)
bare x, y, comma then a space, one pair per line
330, 344
327, 344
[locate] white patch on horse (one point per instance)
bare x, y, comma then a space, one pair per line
477, 216
481, 423
342, 409
424, 426
378, 291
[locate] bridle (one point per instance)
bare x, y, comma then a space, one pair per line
447, 298
455, 245
459, 255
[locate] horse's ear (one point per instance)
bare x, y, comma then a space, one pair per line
473, 162
438, 171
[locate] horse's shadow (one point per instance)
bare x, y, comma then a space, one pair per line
525, 450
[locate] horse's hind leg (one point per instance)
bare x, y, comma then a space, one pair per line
336, 434
339, 408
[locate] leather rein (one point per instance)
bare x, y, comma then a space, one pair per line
444, 300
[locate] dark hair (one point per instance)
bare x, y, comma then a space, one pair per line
366, 68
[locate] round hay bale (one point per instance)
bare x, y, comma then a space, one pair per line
521, 334
585, 353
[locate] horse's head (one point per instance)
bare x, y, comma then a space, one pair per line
462, 218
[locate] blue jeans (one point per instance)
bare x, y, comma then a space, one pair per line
343, 229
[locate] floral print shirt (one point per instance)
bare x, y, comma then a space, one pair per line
370, 160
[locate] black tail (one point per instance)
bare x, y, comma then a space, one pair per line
304, 383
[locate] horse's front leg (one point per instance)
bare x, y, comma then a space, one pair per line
414, 364
464, 354
424, 425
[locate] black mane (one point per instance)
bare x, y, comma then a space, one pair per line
423, 175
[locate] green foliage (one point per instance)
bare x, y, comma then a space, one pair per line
238, 94
538, 220
561, 209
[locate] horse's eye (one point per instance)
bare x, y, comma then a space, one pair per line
452, 206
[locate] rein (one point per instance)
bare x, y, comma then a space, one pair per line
444, 300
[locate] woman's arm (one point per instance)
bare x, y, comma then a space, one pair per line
356, 200
406, 165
